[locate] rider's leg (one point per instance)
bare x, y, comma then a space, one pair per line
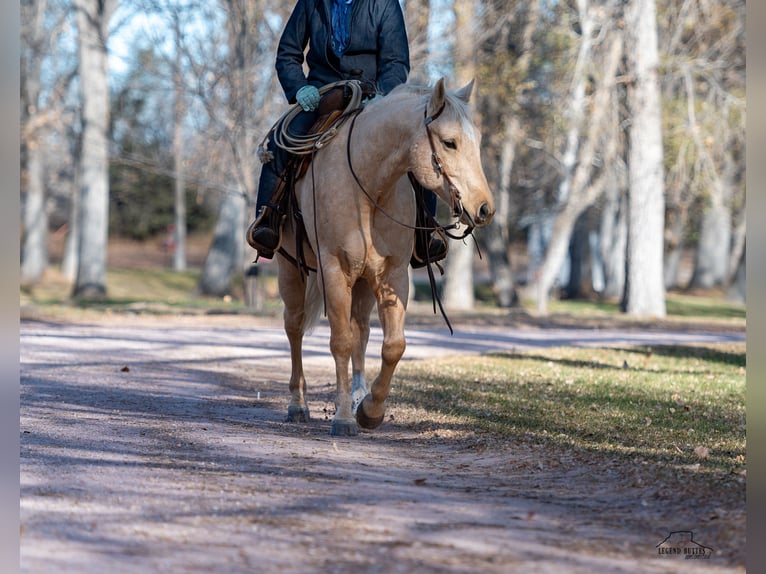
428, 248
264, 233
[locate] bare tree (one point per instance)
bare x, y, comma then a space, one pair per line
34, 250
498, 234
179, 111
459, 280
582, 179
416, 20
92, 17
249, 63
645, 289
703, 89
42, 24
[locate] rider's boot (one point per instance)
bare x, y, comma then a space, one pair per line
428, 248
265, 233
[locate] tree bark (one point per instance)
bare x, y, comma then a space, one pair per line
179, 255
227, 249
614, 232
459, 279
34, 245
92, 19
498, 232
645, 289
34, 253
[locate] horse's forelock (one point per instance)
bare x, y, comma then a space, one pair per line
455, 108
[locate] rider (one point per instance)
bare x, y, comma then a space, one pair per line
348, 40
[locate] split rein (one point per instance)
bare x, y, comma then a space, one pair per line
312, 143
455, 203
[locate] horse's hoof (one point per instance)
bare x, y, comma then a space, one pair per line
344, 428
297, 415
365, 421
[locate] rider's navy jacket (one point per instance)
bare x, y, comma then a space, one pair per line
377, 49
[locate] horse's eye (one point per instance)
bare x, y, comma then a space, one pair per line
450, 144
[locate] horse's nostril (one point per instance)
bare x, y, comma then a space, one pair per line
484, 213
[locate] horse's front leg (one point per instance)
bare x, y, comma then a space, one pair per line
338, 299
392, 303
362, 302
292, 289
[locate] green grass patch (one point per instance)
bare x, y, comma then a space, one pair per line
681, 405
703, 307
146, 290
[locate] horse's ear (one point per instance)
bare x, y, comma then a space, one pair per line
464, 93
437, 98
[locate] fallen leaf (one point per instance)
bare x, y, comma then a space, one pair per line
702, 451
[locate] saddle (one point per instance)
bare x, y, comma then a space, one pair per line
332, 105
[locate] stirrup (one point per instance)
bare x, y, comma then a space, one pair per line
269, 220
434, 250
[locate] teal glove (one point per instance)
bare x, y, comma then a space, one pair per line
308, 98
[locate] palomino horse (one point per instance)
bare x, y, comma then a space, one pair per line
359, 215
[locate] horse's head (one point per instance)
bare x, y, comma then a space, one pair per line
449, 163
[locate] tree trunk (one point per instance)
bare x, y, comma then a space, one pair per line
458, 281
711, 265
614, 236
645, 289
34, 253
585, 186
736, 290
498, 232
92, 19
71, 245
416, 14
227, 249
179, 255
674, 247
227, 252
34, 245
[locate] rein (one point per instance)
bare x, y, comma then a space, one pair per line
456, 205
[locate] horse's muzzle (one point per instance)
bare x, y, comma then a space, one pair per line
481, 218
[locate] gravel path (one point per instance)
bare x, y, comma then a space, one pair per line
158, 445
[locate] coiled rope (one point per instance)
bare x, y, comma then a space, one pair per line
309, 143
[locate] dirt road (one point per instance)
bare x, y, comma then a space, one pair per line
157, 445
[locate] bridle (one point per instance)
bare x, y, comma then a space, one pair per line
454, 194
455, 204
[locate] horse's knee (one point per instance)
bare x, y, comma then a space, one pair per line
393, 350
341, 345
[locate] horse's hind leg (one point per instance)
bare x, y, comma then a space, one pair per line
362, 301
292, 289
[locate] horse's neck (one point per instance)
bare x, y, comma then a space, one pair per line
386, 134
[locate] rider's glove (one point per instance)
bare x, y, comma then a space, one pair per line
308, 98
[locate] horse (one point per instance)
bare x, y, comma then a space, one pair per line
358, 210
